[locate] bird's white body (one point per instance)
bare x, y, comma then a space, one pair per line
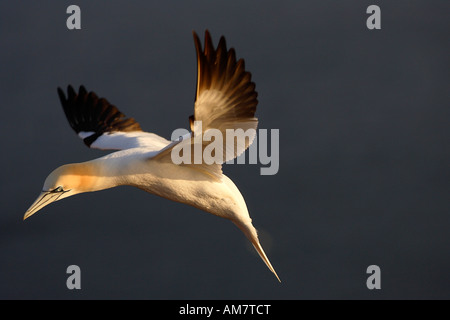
191, 185
185, 184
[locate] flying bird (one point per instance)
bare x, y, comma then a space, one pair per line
225, 98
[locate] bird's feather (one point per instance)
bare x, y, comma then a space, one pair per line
102, 126
225, 99
225, 95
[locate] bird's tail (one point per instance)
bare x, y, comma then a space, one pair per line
249, 230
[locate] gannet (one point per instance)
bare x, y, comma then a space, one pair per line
225, 99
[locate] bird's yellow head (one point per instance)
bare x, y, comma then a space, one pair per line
63, 182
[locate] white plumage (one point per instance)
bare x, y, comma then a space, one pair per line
225, 100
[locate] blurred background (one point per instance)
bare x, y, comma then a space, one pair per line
364, 151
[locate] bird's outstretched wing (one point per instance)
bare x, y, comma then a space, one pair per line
225, 95
102, 126
225, 99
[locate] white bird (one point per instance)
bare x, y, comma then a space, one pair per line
225, 99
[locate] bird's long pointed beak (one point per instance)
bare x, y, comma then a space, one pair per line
45, 198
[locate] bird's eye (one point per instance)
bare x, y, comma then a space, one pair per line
59, 189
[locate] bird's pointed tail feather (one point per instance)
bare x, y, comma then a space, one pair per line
252, 235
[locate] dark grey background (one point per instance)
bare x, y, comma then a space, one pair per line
364, 150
